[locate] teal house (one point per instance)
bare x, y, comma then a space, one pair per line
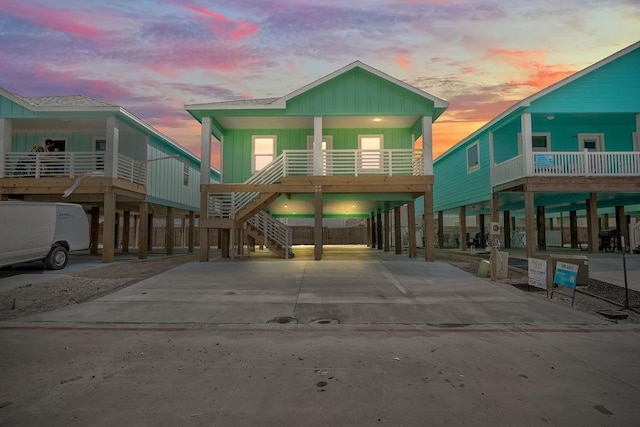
81, 150
342, 146
570, 150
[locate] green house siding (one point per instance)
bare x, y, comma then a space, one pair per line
454, 186
614, 87
237, 145
358, 92
12, 110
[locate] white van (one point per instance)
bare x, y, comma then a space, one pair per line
32, 231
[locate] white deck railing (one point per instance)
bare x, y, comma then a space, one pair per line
69, 164
273, 230
584, 163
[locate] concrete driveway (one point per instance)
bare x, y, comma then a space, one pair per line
418, 344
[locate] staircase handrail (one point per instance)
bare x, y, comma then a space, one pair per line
273, 230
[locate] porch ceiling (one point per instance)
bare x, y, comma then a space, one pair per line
301, 122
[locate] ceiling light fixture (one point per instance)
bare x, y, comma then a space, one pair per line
377, 119
551, 117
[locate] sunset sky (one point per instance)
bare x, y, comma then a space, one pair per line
153, 57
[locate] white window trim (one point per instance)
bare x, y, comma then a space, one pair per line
186, 172
253, 145
636, 141
475, 167
547, 134
591, 134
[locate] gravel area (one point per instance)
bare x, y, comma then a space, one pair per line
87, 285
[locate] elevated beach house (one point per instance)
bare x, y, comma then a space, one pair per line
570, 150
81, 150
342, 146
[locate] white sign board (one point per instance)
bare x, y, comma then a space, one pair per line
538, 273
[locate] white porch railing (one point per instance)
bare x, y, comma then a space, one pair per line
69, 164
273, 230
586, 163
392, 162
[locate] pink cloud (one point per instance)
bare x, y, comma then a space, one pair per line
402, 61
223, 26
539, 75
54, 19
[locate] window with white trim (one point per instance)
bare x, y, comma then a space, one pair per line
263, 151
540, 142
473, 157
371, 152
185, 173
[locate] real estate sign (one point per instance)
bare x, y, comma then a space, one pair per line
538, 273
566, 275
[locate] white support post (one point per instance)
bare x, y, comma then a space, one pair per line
527, 143
5, 143
111, 153
637, 141
427, 145
317, 146
205, 150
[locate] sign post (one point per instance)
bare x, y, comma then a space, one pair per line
494, 244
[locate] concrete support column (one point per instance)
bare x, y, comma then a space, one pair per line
109, 224
462, 228
441, 229
573, 228
506, 228
95, 230
192, 232
621, 226
317, 231
379, 231
126, 219
529, 206
592, 223
411, 219
397, 229
170, 232
143, 230
387, 231
540, 226
429, 247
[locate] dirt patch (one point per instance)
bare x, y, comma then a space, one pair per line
82, 286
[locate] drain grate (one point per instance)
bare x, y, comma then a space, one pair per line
325, 321
283, 320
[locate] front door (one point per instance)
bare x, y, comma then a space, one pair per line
593, 143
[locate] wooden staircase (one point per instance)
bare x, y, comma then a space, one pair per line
278, 249
255, 205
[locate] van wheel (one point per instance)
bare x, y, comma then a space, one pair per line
57, 258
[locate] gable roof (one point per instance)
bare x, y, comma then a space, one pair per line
526, 102
281, 103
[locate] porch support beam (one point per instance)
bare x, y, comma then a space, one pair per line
592, 223
170, 232
95, 229
317, 146
427, 144
387, 230
108, 244
150, 231
369, 232
621, 226
441, 229
573, 229
397, 230
126, 219
527, 142
192, 232
411, 219
143, 230
111, 153
427, 226
203, 255
379, 230
5, 142
462, 228
205, 150
317, 216
373, 231
506, 229
540, 226
529, 206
